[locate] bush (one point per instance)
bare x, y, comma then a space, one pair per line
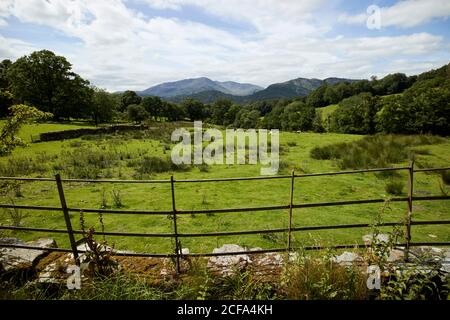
203, 167
149, 165
327, 152
445, 175
394, 187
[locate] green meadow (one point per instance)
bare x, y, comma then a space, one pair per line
132, 156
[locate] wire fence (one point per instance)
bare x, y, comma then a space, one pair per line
174, 212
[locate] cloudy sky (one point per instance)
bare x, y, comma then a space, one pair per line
133, 44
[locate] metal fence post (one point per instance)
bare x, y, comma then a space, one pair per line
62, 198
410, 208
174, 210
291, 203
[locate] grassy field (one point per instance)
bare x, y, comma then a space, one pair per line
120, 157
33, 130
327, 111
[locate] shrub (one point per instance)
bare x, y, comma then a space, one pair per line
445, 175
149, 165
203, 167
394, 187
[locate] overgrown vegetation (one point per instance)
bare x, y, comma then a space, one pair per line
19, 114
394, 187
377, 151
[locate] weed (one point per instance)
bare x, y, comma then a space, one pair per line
117, 198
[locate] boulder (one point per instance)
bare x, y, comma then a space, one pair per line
368, 238
347, 258
228, 264
19, 258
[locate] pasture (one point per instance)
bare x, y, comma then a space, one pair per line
133, 156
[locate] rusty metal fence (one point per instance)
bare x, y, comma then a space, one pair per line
174, 212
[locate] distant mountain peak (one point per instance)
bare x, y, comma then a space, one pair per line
191, 86
208, 91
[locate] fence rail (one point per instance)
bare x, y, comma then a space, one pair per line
174, 212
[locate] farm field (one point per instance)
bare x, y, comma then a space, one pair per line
120, 156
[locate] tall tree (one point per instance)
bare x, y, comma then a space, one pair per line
129, 97
194, 109
173, 111
47, 82
154, 106
103, 106
219, 109
136, 113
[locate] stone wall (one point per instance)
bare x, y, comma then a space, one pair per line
76, 133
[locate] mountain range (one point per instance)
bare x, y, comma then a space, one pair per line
191, 86
208, 91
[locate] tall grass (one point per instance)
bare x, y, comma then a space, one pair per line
374, 151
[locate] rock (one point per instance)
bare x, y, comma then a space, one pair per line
347, 258
228, 264
396, 255
382, 237
20, 258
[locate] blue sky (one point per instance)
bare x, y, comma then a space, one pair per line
134, 44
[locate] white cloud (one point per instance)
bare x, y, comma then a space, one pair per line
119, 48
14, 48
405, 14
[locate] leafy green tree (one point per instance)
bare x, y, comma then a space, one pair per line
331, 96
129, 97
272, 120
392, 83
137, 113
297, 116
316, 98
6, 101
194, 109
103, 106
47, 82
247, 119
344, 90
4, 81
6, 97
265, 106
317, 124
219, 109
20, 114
418, 110
355, 115
154, 106
230, 115
174, 112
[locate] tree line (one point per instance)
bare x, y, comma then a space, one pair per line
394, 104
